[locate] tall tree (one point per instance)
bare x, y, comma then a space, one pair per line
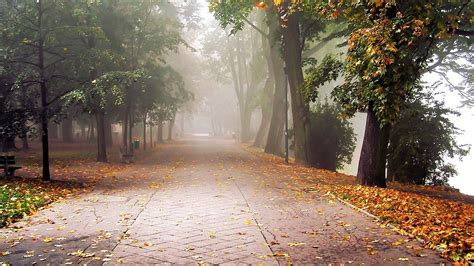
388, 51
40, 36
297, 26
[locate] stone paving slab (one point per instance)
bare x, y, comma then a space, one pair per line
204, 202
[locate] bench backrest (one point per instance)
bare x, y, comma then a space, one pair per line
7, 160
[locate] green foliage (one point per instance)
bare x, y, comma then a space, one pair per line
334, 138
107, 91
17, 106
98, 54
421, 141
317, 75
172, 94
232, 12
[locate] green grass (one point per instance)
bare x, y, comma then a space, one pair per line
18, 201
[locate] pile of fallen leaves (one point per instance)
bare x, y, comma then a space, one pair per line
23, 197
443, 225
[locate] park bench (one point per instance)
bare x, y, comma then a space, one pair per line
125, 157
8, 165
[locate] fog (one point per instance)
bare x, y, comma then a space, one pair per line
228, 132
216, 102
216, 83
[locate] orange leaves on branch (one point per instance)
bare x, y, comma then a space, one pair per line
378, 3
261, 5
278, 2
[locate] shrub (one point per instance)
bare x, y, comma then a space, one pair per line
333, 139
421, 141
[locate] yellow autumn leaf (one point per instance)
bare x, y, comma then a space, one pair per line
5, 253
378, 3
398, 243
296, 244
48, 239
391, 47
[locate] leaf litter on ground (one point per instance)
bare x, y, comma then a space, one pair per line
439, 216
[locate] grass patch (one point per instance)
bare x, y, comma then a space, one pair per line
22, 197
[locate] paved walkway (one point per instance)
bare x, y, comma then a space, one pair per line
204, 201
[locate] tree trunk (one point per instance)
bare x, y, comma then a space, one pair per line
108, 131
373, 156
67, 130
92, 131
25, 143
88, 134
44, 95
130, 132
83, 131
245, 91
294, 68
151, 135
277, 124
159, 136
125, 131
99, 112
263, 129
391, 170
101, 143
24, 136
245, 119
8, 144
53, 130
44, 128
24, 120
170, 129
181, 130
144, 132
266, 102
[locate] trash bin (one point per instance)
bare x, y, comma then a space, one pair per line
136, 144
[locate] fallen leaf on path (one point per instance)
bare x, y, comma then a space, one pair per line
154, 185
189, 248
398, 243
29, 254
296, 244
279, 254
48, 239
81, 254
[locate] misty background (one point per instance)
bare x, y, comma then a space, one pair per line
216, 101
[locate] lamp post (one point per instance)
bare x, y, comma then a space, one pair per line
286, 115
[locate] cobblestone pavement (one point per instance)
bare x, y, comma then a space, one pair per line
204, 201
